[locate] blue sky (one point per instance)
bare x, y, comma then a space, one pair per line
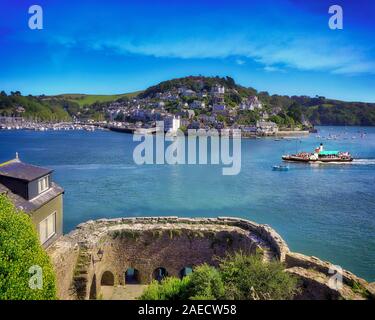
105, 47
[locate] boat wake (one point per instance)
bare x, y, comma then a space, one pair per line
364, 161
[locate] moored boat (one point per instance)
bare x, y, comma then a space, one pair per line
319, 155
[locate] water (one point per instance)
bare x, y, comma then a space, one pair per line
327, 211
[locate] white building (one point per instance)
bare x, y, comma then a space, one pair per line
172, 123
176, 123
218, 90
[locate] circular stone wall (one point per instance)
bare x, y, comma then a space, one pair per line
156, 247
106, 252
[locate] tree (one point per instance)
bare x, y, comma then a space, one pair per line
277, 119
295, 112
230, 82
250, 278
20, 250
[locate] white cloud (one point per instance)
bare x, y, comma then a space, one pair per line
240, 62
273, 69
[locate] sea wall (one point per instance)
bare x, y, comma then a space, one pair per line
64, 254
101, 253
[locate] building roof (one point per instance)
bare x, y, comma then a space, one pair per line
22, 171
33, 204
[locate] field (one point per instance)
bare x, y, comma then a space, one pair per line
88, 99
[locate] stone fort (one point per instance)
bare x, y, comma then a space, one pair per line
113, 252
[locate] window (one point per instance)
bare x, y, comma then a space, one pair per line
47, 227
43, 184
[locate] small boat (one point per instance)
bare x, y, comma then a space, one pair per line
280, 168
319, 156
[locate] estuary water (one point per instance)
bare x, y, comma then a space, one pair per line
323, 210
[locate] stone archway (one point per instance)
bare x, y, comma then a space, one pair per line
132, 276
185, 271
160, 273
93, 293
108, 279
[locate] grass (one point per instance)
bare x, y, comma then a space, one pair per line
360, 289
89, 99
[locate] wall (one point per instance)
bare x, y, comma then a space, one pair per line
43, 212
147, 243
33, 188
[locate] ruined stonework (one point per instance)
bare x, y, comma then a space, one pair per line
99, 253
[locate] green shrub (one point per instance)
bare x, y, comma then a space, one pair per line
170, 288
250, 278
205, 284
19, 250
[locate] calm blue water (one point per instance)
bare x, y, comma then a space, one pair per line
325, 211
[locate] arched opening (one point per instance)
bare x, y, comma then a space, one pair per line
185, 271
160, 273
108, 279
132, 276
93, 288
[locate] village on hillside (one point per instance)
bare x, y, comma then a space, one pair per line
185, 103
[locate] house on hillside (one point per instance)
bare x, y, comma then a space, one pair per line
196, 104
251, 103
187, 92
218, 108
32, 190
267, 128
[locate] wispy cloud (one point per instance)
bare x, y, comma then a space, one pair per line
273, 69
306, 55
240, 62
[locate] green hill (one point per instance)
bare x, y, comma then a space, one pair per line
89, 99
55, 108
284, 110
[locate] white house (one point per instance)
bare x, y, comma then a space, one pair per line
267, 128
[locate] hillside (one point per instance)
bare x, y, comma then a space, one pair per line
55, 108
286, 111
317, 110
198, 83
34, 107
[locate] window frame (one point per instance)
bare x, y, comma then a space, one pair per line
44, 225
46, 181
